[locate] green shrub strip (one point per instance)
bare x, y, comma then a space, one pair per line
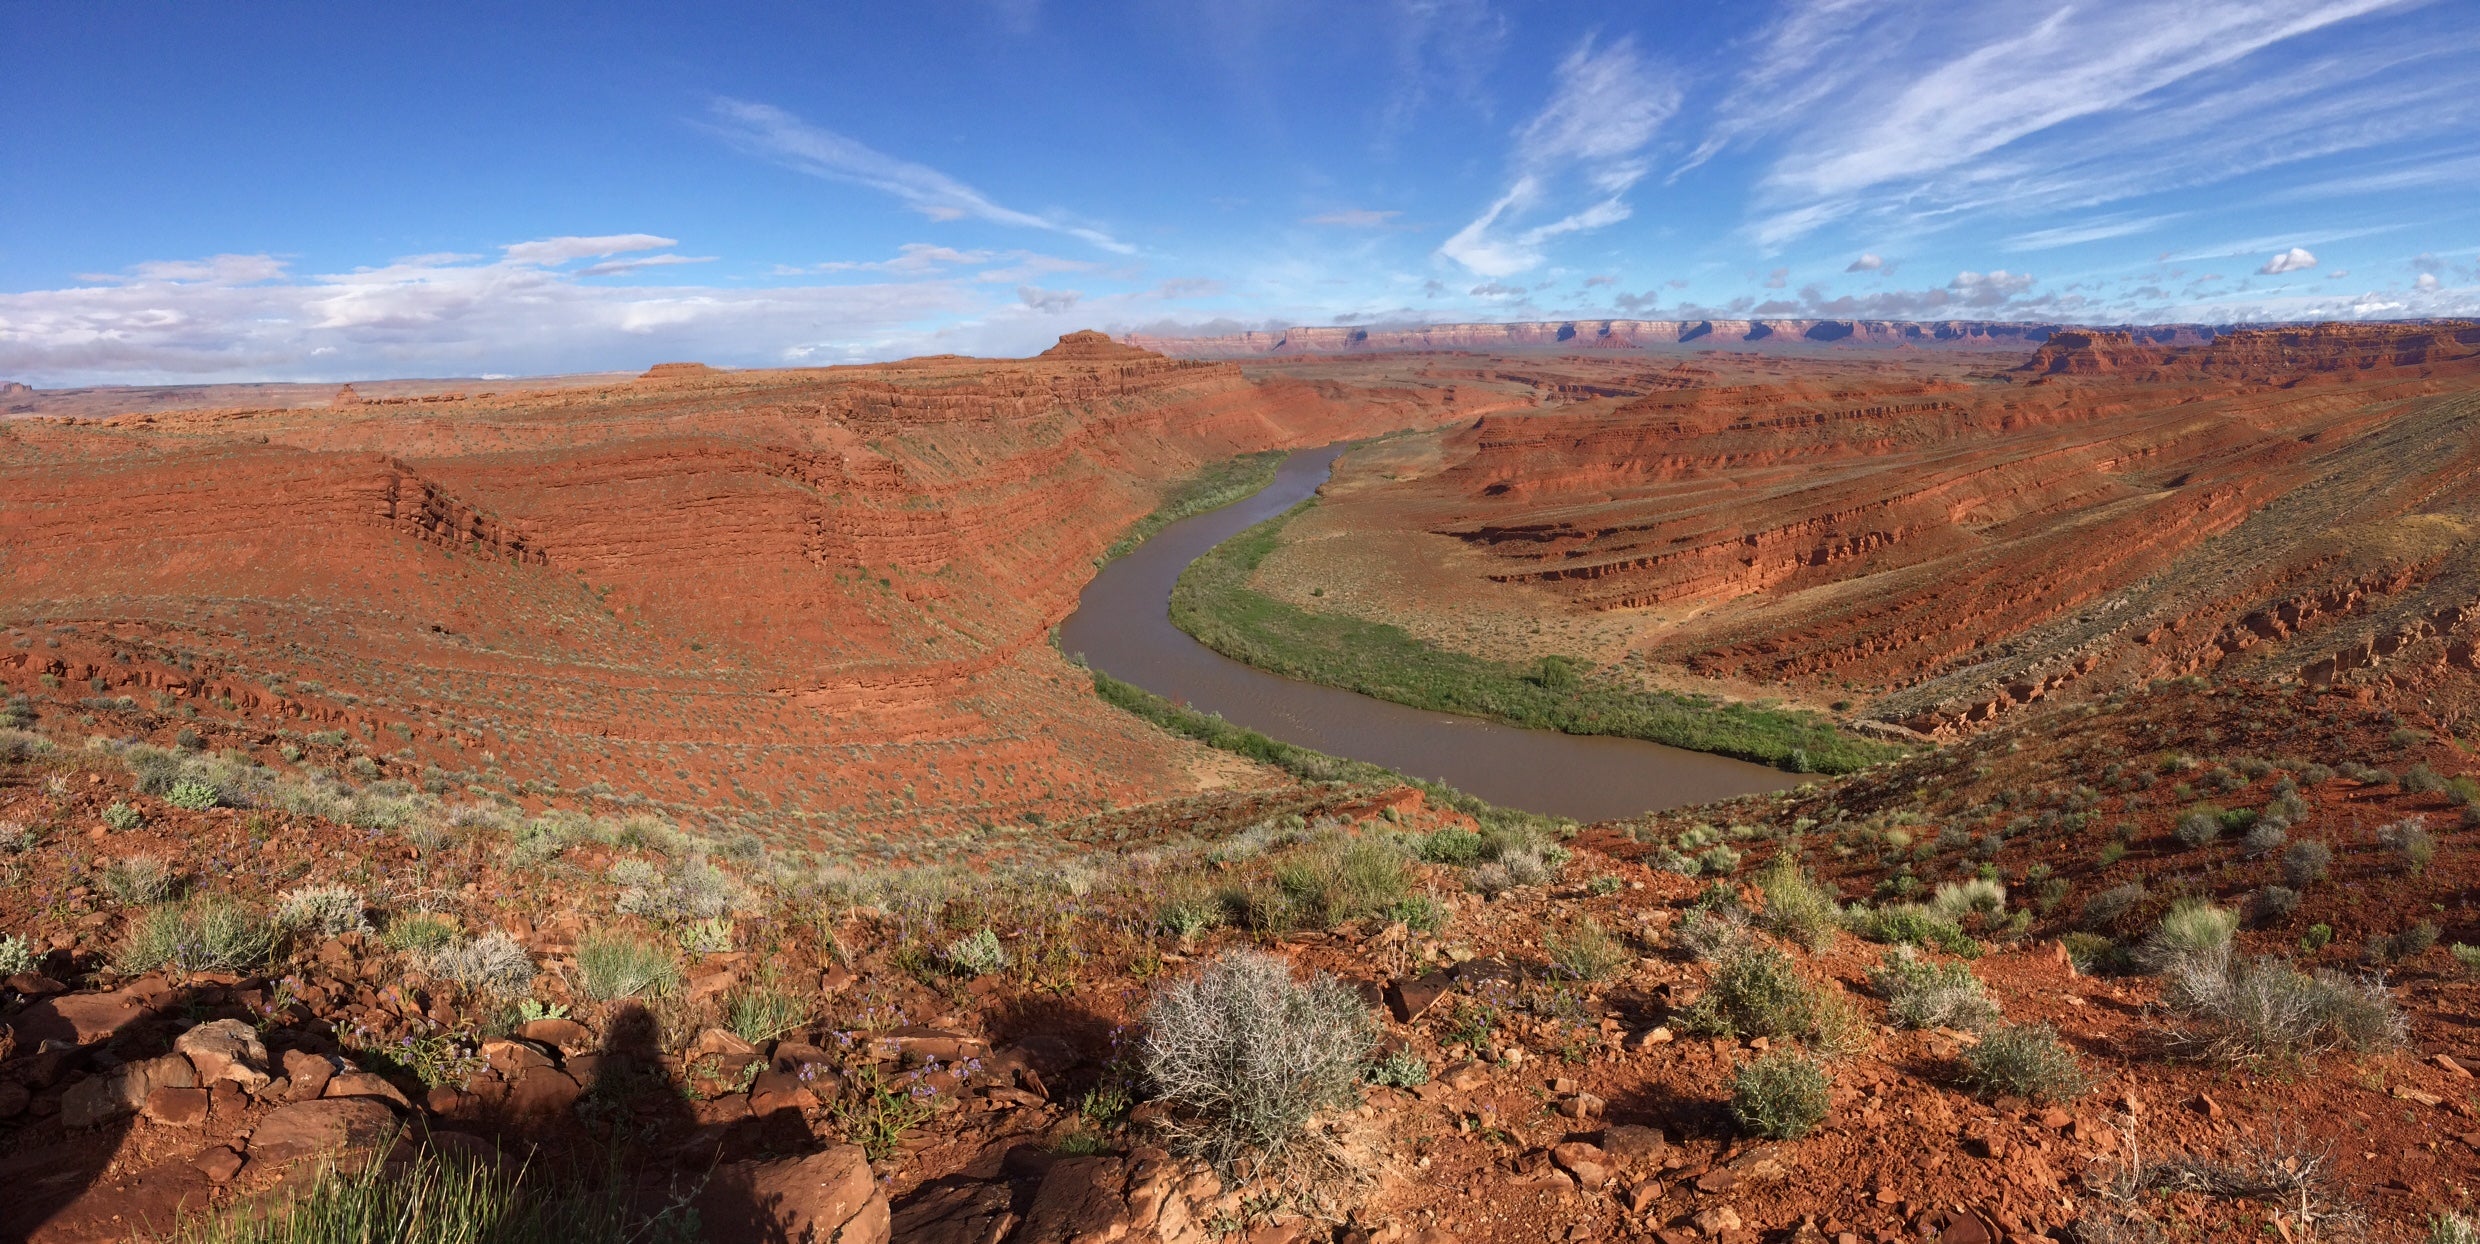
1214, 602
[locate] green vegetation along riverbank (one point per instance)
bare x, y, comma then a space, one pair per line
1217, 485
1215, 603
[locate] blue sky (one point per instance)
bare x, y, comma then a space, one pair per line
240, 191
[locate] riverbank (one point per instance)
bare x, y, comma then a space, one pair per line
1213, 602
1217, 485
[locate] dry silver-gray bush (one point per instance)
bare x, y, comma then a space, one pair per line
2240, 1009
326, 910
1249, 1056
493, 964
2306, 863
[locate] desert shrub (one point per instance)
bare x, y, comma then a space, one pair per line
324, 910
1397, 1069
1583, 951
1755, 991
193, 795
1450, 846
1604, 886
2191, 927
2200, 827
977, 954
612, 965
138, 880
2238, 1009
2024, 1060
1781, 1095
761, 1013
2409, 838
491, 964
17, 836
1910, 924
16, 955
711, 936
2091, 952
1712, 933
2306, 863
2467, 956
1717, 860
123, 818
210, 933
2406, 944
18, 746
2318, 937
2272, 904
1797, 906
1188, 912
2107, 908
2419, 779
1957, 900
693, 890
1923, 993
2265, 837
1512, 871
1247, 1055
2453, 1228
1670, 860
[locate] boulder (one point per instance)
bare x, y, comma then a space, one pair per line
226, 1049
347, 1084
825, 1198
1409, 1000
542, 1092
1589, 1165
1080, 1199
82, 1018
512, 1058
102, 1098
1627, 1142
306, 1074
176, 1107
565, 1035
351, 1128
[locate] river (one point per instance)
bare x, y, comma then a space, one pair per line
1122, 626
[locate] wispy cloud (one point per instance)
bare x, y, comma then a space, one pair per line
1914, 112
552, 251
771, 133
2087, 231
1578, 156
2296, 259
1867, 262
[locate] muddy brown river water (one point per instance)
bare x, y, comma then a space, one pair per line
1122, 626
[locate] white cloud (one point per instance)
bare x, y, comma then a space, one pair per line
910, 258
1990, 289
771, 133
2296, 259
2427, 282
1576, 157
1051, 300
551, 252
1866, 263
615, 267
246, 317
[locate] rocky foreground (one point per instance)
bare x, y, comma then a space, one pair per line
1561, 1035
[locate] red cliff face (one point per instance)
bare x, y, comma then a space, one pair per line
816, 597
1955, 546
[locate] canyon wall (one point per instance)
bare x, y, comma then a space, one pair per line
814, 602
1631, 334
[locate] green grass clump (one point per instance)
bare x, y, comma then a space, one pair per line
2024, 1060
761, 1013
1797, 905
210, 933
1343, 881
1782, 1095
1217, 485
2191, 928
2238, 1010
1910, 924
418, 933
139, 880
1214, 602
1583, 951
441, 1196
612, 965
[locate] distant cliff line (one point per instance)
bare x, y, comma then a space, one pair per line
1638, 334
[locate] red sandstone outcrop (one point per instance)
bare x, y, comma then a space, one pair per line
1619, 334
